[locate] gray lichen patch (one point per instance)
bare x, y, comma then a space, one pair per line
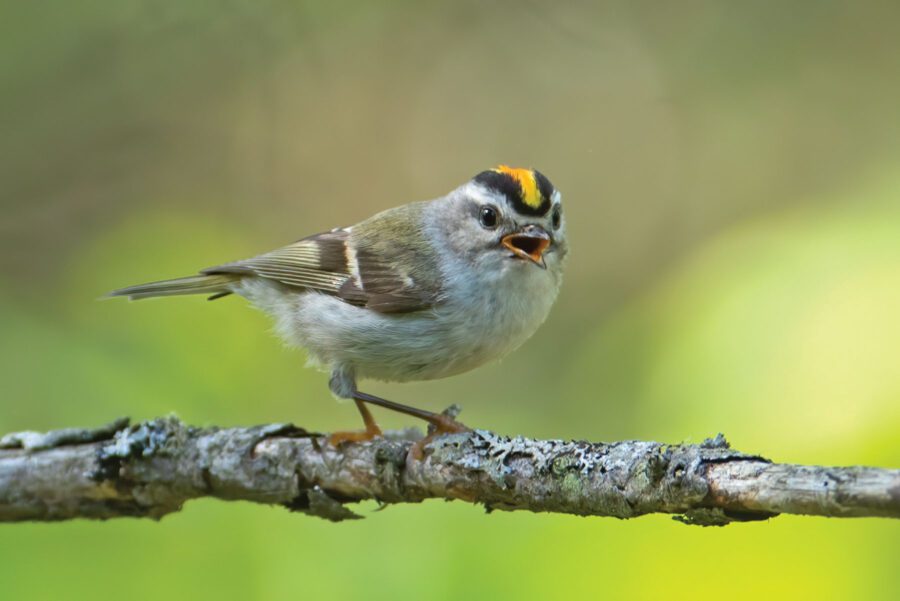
37, 441
718, 442
623, 479
141, 440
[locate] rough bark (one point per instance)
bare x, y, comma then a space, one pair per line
150, 469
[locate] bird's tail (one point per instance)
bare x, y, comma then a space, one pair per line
216, 285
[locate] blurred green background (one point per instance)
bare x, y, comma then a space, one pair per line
730, 176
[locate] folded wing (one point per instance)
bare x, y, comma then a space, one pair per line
376, 278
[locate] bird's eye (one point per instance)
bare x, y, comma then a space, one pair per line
488, 217
556, 217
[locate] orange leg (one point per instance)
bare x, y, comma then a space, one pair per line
372, 430
441, 424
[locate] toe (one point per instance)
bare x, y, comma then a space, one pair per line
338, 438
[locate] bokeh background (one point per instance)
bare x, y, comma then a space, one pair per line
730, 176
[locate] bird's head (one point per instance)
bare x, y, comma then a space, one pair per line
508, 218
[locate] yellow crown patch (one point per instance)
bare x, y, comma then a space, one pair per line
531, 195
527, 191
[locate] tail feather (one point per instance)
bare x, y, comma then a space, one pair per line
216, 285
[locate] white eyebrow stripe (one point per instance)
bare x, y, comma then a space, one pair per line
484, 195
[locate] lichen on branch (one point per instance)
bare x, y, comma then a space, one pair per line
152, 468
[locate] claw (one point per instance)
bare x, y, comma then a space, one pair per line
336, 439
443, 424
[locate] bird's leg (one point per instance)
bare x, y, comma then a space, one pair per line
442, 424
372, 430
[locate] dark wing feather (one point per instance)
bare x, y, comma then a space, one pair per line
315, 263
389, 287
381, 276
398, 267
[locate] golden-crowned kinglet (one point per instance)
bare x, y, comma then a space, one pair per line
421, 291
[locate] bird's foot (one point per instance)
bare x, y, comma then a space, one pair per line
440, 423
336, 439
372, 430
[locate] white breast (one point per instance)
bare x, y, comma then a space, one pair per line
478, 321
494, 315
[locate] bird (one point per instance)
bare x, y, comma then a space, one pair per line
421, 291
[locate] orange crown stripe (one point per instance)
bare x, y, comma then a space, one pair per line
531, 196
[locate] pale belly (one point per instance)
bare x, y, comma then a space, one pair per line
447, 340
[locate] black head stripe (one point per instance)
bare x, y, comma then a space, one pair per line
503, 184
532, 198
544, 186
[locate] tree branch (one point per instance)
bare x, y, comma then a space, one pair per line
151, 468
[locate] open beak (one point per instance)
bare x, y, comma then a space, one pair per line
528, 243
